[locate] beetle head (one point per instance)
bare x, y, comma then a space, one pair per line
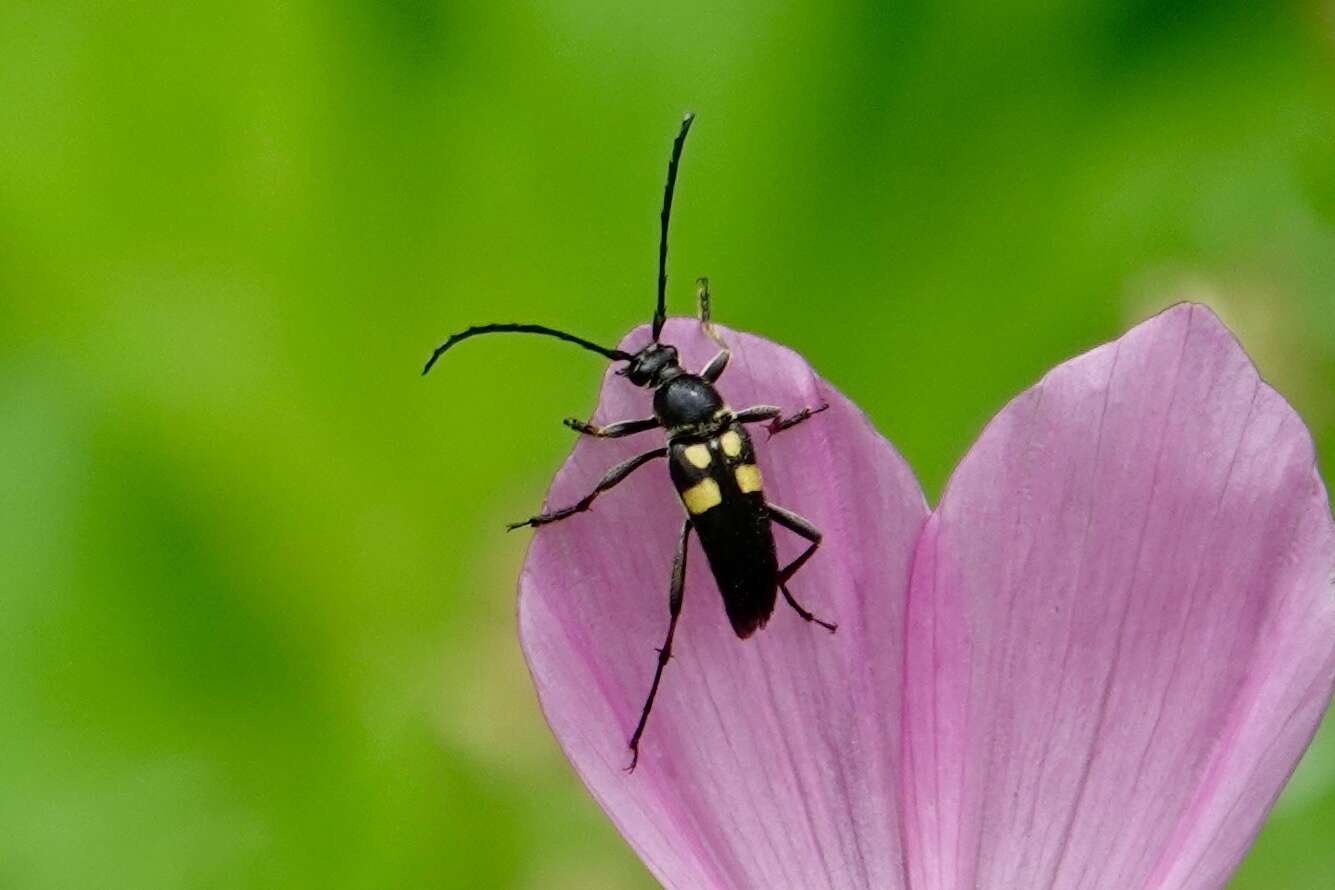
652, 365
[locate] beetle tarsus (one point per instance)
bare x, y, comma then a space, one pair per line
806, 615
779, 424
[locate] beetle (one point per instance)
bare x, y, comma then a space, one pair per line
711, 460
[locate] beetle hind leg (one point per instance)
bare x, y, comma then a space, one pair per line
803, 528
665, 652
805, 615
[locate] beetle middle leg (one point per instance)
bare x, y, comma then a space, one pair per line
773, 413
799, 526
779, 424
613, 476
665, 653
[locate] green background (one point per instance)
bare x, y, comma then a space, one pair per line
256, 608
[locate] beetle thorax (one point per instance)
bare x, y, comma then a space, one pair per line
687, 402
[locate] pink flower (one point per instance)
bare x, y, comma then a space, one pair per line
1094, 665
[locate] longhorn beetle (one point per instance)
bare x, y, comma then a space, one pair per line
711, 459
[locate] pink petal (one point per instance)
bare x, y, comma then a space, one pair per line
768, 762
1121, 626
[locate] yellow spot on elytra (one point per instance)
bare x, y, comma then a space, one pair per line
732, 443
748, 478
701, 496
698, 455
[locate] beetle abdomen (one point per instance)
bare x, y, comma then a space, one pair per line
739, 544
721, 489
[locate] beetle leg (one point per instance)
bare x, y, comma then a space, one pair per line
806, 616
773, 413
799, 526
665, 653
611, 478
757, 413
779, 424
714, 370
612, 430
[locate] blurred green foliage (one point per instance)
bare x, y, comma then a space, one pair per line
256, 616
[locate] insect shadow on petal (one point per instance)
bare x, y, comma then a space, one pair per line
711, 459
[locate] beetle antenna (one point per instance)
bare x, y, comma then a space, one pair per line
615, 355
660, 313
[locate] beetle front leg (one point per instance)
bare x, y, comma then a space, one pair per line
714, 370
665, 653
612, 430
